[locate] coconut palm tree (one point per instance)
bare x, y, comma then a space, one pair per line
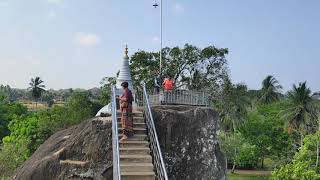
233, 105
36, 88
316, 96
270, 91
301, 111
233, 108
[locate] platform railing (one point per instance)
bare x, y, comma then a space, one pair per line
176, 97
115, 137
154, 142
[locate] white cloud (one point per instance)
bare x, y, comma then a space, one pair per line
156, 39
178, 8
86, 39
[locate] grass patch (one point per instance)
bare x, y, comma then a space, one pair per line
31, 105
247, 176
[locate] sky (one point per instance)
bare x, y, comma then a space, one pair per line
75, 43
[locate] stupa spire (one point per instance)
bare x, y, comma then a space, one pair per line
125, 72
126, 52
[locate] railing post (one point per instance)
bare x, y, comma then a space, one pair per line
115, 140
154, 142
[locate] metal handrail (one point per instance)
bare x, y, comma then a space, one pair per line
154, 142
175, 97
180, 97
115, 138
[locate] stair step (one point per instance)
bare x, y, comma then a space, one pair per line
135, 159
136, 167
136, 137
135, 114
135, 124
137, 175
137, 130
135, 119
135, 150
134, 144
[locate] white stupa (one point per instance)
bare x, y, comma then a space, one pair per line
124, 76
125, 72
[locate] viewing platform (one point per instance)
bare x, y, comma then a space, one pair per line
176, 97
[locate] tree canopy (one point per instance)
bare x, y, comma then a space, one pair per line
190, 66
36, 88
270, 91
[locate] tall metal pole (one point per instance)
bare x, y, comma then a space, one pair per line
160, 37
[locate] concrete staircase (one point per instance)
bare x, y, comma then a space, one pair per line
135, 153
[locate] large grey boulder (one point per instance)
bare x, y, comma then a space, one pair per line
83, 151
189, 142
188, 137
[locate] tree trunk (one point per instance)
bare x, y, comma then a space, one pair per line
234, 160
226, 163
262, 162
233, 166
317, 161
301, 139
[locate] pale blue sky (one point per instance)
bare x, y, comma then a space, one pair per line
74, 43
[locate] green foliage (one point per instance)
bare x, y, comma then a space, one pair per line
12, 155
29, 130
36, 87
264, 130
238, 151
248, 156
24, 128
189, 66
303, 166
8, 112
7, 93
79, 107
233, 106
230, 145
301, 112
48, 97
270, 91
106, 85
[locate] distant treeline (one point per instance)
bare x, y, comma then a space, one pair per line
49, 96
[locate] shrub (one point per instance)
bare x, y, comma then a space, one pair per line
303, 165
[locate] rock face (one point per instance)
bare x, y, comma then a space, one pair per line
80, 152
189, 142
188, 136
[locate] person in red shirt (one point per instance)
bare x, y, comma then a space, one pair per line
168, 86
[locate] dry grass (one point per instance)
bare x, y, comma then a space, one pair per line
33, 106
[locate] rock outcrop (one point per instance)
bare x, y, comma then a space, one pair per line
189, 142
80, 152
188, 138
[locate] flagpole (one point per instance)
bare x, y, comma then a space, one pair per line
160, 37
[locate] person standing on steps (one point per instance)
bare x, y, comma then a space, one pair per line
168, 86
126, 109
